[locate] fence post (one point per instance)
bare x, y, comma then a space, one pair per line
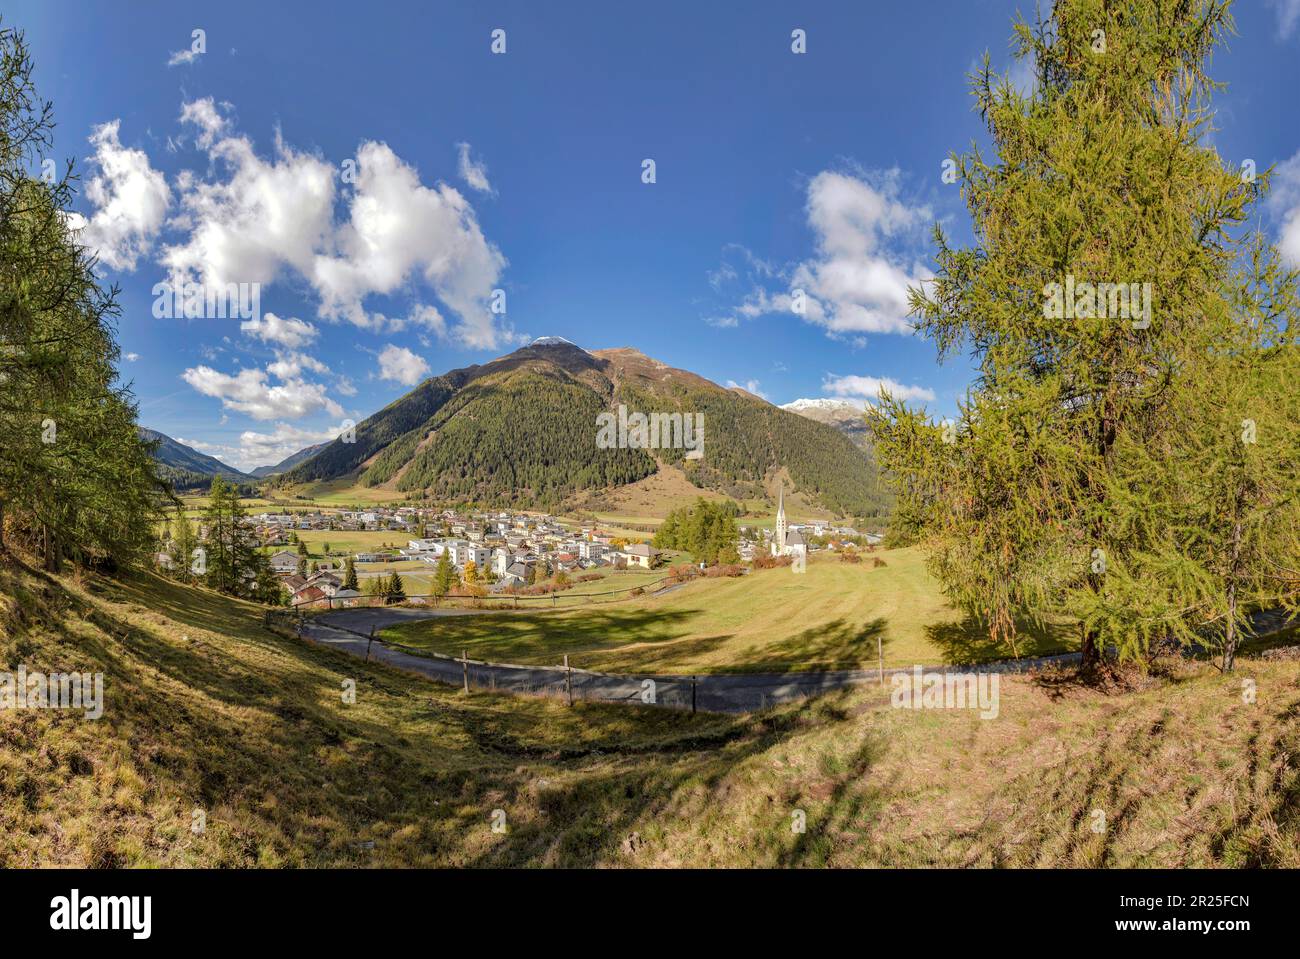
692, 695
465, 662
568, 679
880, 656
370, 642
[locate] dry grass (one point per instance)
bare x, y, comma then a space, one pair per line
208, 710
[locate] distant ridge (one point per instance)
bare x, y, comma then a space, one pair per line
840, 414
185, 467
520, 430
289, 462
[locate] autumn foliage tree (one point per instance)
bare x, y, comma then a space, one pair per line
1125, 324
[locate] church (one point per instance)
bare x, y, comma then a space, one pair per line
787, 542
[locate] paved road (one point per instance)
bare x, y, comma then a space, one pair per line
717, 692
348, 630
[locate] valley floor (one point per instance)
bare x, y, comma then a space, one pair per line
834, 616
209, 712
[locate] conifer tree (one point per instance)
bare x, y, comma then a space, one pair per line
231, 554
184, 543
76, 481
1109, 282
443, 576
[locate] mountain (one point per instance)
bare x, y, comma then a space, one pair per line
844, 416
185, 467
521, 430
289, 462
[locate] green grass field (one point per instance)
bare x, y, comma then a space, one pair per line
829, 617
613, 586
344, 491
349, 541
207, 711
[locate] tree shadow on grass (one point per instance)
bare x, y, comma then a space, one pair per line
544, 639
838, 644
613, 814
644, 641
290, 776
967, 641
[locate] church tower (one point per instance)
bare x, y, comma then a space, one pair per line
778, 546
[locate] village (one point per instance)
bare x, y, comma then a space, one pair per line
497, 551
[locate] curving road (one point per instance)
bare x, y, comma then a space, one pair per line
349, 629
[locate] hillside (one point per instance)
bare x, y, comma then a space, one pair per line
520, 430
845, 417
289, 462
207, 710
185, 467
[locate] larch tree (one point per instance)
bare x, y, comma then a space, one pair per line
76, 481
1110, 284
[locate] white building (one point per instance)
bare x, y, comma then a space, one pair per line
787, 542
592, 551
638, 554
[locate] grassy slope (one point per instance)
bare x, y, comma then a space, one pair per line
345, 491
773, 619
206, 709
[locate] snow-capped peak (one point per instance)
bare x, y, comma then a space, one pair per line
821, 403
551, 341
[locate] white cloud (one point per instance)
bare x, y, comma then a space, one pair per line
131, 357
866, 389
180, 57
400, 230
473, 172
1284, 203
858, 281
268, 449
856, 285
749, 386
264, 216
130, 201
290, 366
427, 316
249, 391
400, 364
1023, 75
287, 331
1288, 15
204, 115
254, 219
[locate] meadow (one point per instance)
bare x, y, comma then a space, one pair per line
208, 712
834, 616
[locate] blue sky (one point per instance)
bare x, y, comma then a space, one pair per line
379, 171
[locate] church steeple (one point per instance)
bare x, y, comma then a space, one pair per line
781, 525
